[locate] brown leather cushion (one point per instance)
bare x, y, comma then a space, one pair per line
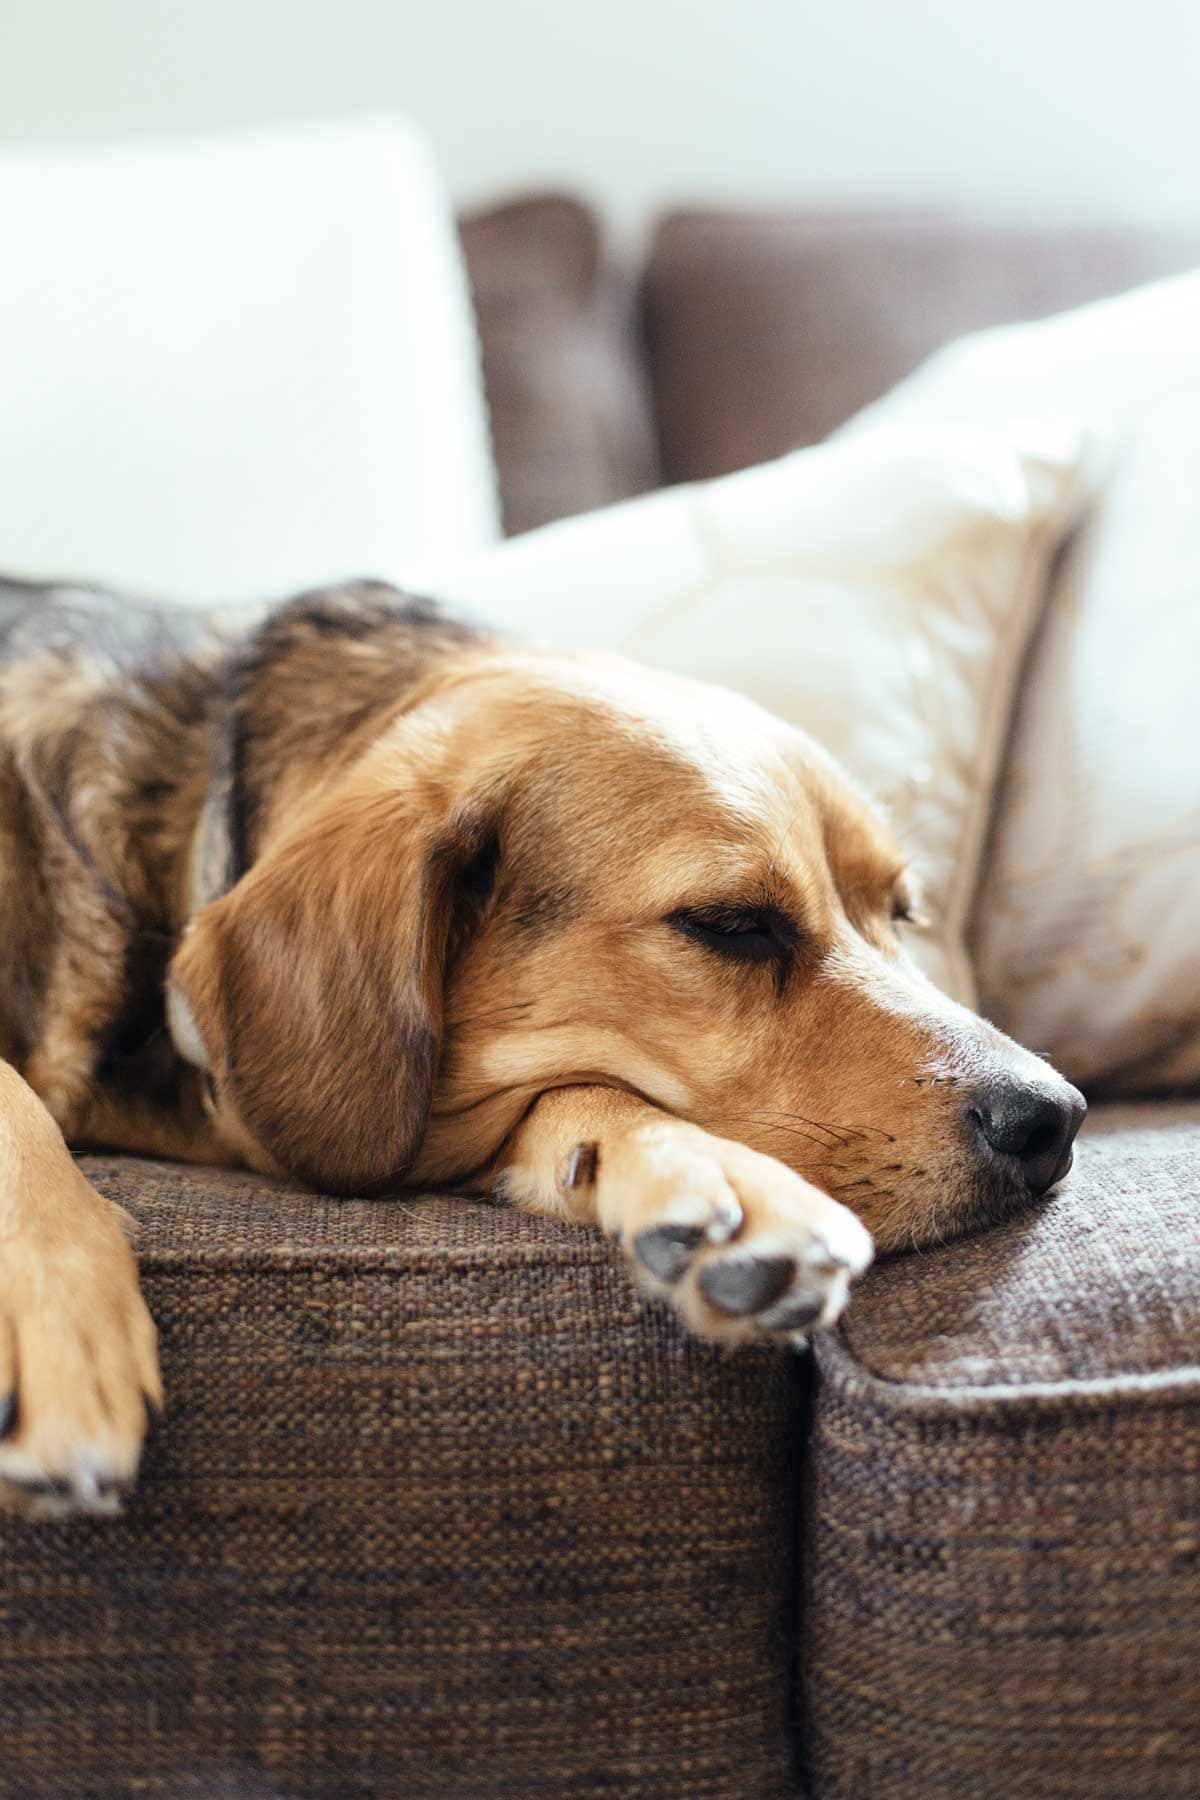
1004, 1540
571, 426
768, 330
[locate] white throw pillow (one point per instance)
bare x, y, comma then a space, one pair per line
879, 594
1105, 365
1088, 933
1086, 936
236, 366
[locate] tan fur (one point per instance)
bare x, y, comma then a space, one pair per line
76, 1341
379, 1005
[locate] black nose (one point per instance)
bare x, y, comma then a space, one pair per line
1035, 1128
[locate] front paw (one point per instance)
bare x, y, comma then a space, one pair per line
78, 1369
741, 1246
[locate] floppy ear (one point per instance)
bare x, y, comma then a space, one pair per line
314, 986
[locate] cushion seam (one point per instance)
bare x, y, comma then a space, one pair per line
839, 1367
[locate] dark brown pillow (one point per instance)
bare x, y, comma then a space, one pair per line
768, 330
571, 422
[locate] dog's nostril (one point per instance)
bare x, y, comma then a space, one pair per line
1036, 1129
1042, 1138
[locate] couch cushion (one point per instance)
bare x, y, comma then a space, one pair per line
1004, 1523
767, 330
438, 1508
566, 390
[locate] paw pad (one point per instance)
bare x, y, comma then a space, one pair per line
744, 1283
666, 1250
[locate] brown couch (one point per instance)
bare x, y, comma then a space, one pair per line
441, 1509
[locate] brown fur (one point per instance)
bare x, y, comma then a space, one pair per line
460, 947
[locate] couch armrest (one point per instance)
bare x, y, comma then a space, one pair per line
438, 1508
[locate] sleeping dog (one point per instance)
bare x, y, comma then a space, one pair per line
352, 893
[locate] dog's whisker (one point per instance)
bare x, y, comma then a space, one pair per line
768, 1124
795, 1121
841, 1132
853, 1130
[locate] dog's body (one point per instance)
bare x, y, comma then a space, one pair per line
349, 891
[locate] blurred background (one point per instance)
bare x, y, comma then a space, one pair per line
675, 237
1057, 103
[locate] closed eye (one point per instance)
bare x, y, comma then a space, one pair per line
747, 934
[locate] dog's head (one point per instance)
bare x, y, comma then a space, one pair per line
562, 872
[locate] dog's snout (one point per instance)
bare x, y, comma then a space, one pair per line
1036, 1129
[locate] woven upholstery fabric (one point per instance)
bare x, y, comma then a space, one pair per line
1003, 1536
766, 330
439, 1508
566, 391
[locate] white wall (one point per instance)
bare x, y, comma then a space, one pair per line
1078, 104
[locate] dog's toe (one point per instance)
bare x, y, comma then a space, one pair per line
82, 1366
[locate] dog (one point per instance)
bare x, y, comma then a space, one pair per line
351, 892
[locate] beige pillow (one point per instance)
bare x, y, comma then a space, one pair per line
1087, 938
878, 592
1088, 934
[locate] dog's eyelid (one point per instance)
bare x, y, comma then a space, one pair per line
748, 930
736, 913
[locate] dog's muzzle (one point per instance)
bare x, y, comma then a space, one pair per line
1025, 1133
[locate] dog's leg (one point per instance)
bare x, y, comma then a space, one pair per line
741, 1245
78, 1361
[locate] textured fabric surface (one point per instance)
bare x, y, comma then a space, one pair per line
438, 1509
878, 592
566, 389
1002, 1556
768, 330
1101, 1281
